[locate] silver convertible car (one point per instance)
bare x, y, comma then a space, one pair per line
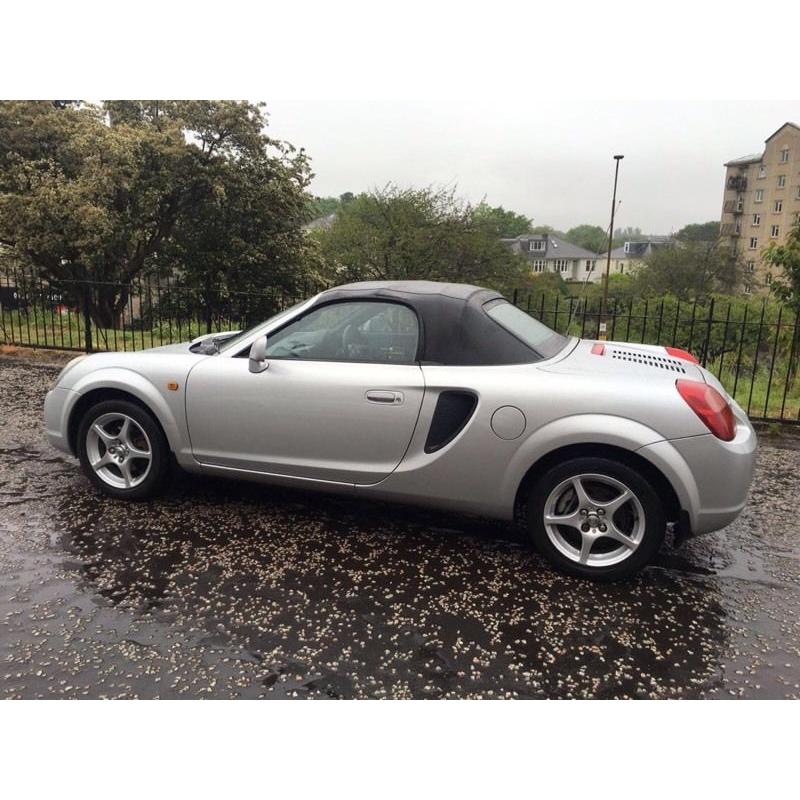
430, 393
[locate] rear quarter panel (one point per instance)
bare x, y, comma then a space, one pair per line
479, 472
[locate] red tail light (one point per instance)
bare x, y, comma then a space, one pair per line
710, 406
598, 349
683, 354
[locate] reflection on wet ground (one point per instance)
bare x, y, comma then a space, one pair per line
223, 589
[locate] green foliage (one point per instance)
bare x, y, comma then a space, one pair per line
689, 270
505, 223
320, 207
109, 193
629, 234
699, 232
397, 234
786, 257
546, 230
623, 289
590, 237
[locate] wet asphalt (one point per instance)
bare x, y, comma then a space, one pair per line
224, 589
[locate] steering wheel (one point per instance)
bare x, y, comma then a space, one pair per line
351, 337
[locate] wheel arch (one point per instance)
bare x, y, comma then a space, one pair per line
651, 473
98, 395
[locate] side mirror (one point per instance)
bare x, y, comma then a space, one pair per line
258, 355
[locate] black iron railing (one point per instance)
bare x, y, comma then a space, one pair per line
752, 346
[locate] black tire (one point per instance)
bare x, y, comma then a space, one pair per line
650, 529
159, 469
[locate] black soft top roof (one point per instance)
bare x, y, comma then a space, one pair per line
455, 328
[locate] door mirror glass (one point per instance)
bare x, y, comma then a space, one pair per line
258, 355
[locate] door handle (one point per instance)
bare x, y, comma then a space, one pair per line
384, 396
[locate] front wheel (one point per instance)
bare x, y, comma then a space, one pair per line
596, 518
122, 450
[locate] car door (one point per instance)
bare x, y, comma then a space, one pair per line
339, 400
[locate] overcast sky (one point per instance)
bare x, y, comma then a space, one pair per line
548, 159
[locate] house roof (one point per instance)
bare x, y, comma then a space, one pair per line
756, 157
617, 252
751, 159
637, 249
785, 124
556, 246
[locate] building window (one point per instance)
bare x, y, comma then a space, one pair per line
784, 155
539, 265
590, 265
768, 279
738, 227
756, 220
775, 232
781, 181
561, 264
778, 206
751, 266
797, 196
748, 289
740, 204
536, 245
621, 267
754, 242
762, 171
759, 196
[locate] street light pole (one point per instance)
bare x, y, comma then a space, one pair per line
604, 309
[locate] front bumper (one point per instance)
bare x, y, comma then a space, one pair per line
57, 405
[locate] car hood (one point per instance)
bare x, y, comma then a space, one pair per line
181, 347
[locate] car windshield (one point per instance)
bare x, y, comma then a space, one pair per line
230, 343
528, 329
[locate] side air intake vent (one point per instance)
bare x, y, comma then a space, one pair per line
453, 410
648, 359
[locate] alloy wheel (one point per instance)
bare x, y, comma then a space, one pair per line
594, 520
119, 450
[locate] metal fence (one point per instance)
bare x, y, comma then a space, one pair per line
752, 347
94, 316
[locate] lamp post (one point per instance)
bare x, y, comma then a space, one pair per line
604, 309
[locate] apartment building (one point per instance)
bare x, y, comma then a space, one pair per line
761, 202
548, 253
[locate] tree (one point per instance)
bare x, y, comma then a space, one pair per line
689, 270
629, 234
546, 230
699, 232
590, 237
325, 206
786, 257
506, 224
89, 192
396, 234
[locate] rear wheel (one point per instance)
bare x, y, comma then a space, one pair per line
122, 450
596, 518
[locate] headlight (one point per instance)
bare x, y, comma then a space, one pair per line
69, 366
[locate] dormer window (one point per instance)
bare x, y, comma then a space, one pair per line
536, 245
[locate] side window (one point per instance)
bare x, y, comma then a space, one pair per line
358, 331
